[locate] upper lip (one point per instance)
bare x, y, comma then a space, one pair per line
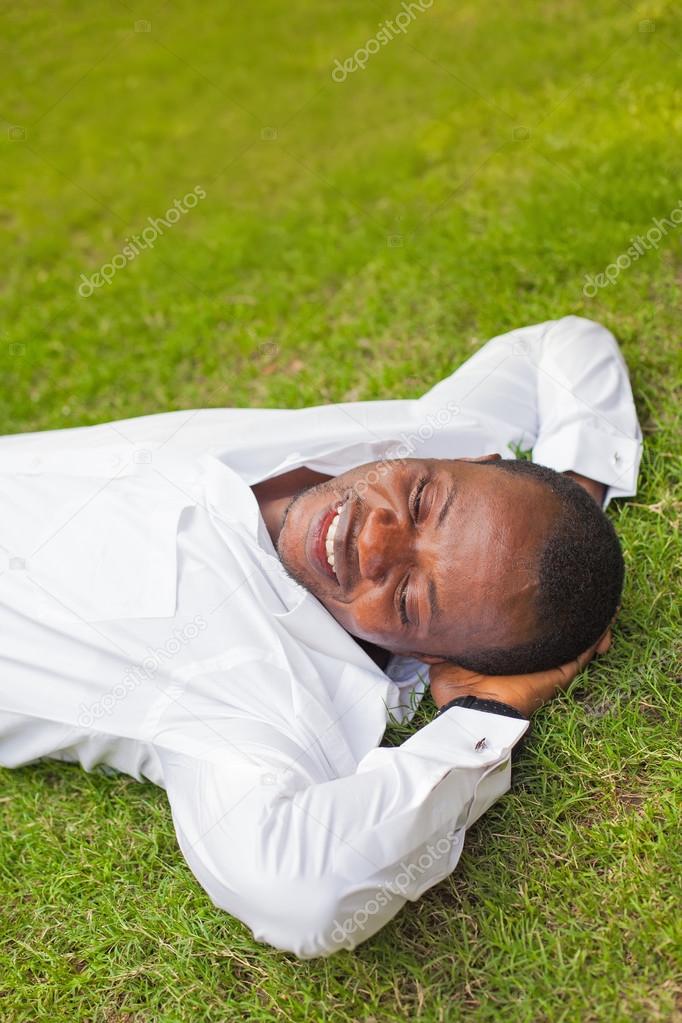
345, 553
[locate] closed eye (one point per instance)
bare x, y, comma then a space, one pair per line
417, 498
402, 605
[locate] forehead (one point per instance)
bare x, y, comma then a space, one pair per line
485, 561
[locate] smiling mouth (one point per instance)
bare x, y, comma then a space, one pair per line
329, 539
324, 544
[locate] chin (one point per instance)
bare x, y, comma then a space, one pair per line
289, 545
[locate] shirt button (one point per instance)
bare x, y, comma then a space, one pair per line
616, 457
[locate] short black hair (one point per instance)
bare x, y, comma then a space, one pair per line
580, 571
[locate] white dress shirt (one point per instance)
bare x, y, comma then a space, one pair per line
147, 624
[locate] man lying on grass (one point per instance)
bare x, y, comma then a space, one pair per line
233, 603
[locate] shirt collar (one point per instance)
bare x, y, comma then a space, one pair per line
231, 499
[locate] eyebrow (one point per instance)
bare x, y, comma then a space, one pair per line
436, 609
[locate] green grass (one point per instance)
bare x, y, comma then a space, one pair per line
356, 241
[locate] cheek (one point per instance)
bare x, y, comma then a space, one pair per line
367, 617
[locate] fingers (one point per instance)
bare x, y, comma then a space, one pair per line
573, 668
566, 673
569, 671
605, 642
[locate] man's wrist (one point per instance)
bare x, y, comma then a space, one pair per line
484, 705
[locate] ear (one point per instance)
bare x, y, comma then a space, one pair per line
482, 458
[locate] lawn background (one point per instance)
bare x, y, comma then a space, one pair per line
357, 240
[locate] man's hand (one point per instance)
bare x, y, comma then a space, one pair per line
594, 488
523, 692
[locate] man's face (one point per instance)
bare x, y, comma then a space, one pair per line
430, 557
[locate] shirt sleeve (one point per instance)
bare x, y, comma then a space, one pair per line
314, 864
586, 414
560, 388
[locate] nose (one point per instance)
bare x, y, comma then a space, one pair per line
380, 545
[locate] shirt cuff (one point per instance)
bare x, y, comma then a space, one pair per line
611, 459
471, 741
467, 737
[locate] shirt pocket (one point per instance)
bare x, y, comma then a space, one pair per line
97, 550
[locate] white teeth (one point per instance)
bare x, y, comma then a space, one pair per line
331, 533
